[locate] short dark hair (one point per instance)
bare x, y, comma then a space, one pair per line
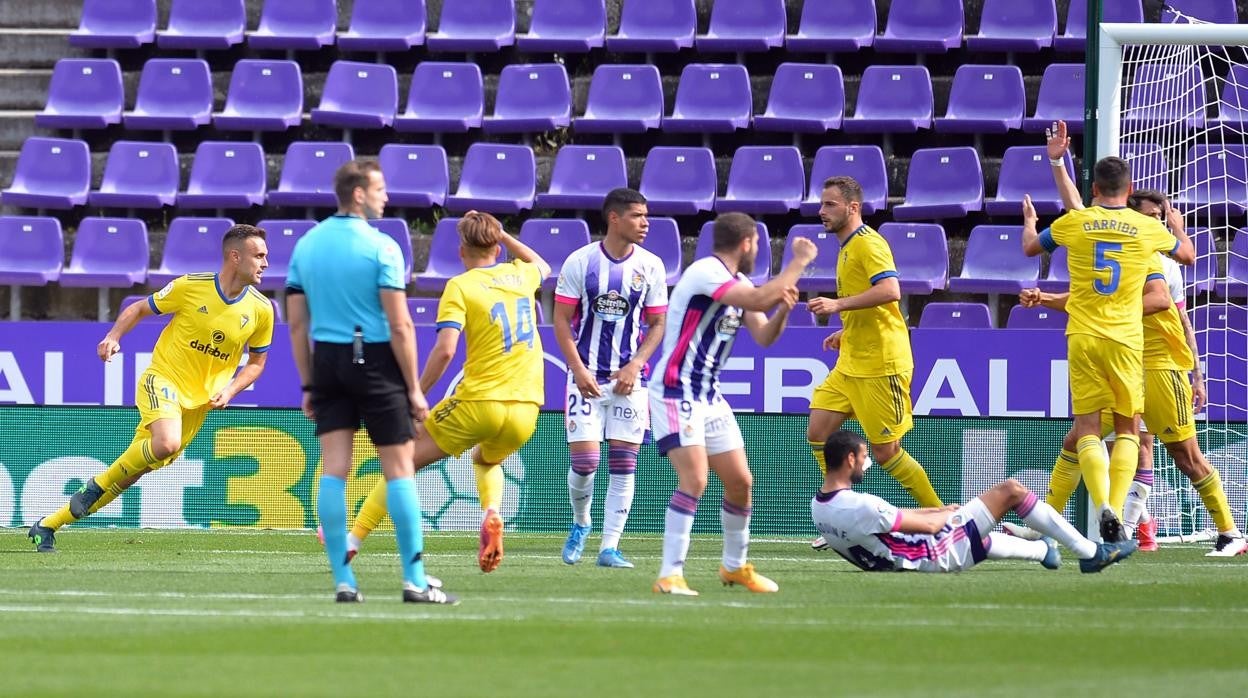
1139, 196
839, 445
849, 187
618, 200
351, 175
1112, 176
730, 229
238, 234
479, 231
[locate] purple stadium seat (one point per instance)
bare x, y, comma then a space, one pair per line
964, 316
565, 26
821, 274
295, 25
654, 26
444, 259
416, 175
1215, 11
1038, 318
764, 179
1007, 26
833, 27
115, 24
51, 173
995, 263
711, 98
1165, 92
384, 25
1214, 182
984, 99
555, 239
281, 236
805, 97
358, 95
1058, 278
1232, 104
226, 175
83, 93
531, 98
32, 250
397, 230
1201, 276
495, 178
1025, 169
663, 239
622, 99
308, 174
263, 96
1074, 37
892, 99
679, 181
1235, 285
582, 176
921, 26
109, 253
445, 97
739, 26
204, 24
424, 311
865, 163
1061, 98
762, 264
174, 95
1148, 165
800, 316
138, 175
192, 245
921, 254
942, 183
474, 25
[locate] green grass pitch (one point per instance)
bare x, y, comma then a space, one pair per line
218, 613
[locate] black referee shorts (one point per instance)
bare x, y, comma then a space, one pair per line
345, 393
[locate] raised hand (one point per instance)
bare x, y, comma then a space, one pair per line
822, 306
1029, 297
1029, 211
1058, 142
804, 251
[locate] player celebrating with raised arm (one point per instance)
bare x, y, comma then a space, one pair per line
611, 304
494, 408
871, 379
875, 536
693, 424
1111, 249
192, 370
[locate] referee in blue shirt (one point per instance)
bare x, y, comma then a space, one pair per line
355, 349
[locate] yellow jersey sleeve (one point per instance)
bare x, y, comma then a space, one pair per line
262, 336
876, 341
452, 310
173, 297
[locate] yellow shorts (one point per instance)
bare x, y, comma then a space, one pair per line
157, 398
1104, 375
1167, 407
500, 428
881, 404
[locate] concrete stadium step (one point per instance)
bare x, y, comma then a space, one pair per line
36, 48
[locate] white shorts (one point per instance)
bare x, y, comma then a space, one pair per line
963, 543
609, 417
677, 422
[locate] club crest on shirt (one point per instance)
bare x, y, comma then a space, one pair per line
571, 426
218, 336
728, 325
610, 307
638, 282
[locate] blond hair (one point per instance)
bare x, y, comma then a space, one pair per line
479, 232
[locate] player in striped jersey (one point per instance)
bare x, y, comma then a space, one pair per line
875, 536
692, 422
610, 307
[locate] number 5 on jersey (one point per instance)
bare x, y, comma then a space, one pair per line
1104, 263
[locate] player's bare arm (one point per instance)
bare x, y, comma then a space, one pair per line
300, 346
1031, 236
922, 521
1058, 144
883, 292
782, 288
524, 253
1156, 297
1186, 252
1200, 397
581, 375
439, 357
626, 378
111, 344
403, 344
248, 374
764, 330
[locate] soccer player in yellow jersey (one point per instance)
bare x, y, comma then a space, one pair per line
494, 409
1110, 251
871, 379
192, 371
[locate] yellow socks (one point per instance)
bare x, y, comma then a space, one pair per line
490, 485
907, 471
1063, 481
816, 450
372, 512
1214, 497
1122, 462
1095, 468
63, 517
136, 459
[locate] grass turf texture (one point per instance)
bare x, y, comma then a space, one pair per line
137, 613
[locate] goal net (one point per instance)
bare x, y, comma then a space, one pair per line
1173, 101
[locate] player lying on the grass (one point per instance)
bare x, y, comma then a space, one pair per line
192, 370
875, 536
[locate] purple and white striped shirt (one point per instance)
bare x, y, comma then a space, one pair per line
612, 297
700, 332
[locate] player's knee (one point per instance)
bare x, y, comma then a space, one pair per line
1070, 442
164, 447
693, 485
739, 488
883, 453
1016, 490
